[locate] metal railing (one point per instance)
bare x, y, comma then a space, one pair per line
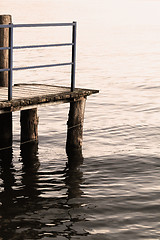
10, 69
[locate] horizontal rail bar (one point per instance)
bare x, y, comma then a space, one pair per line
43, 25
41, 46
42, 66
37, 25
5, 70
5, 25
4, 48
38, 46
38, 66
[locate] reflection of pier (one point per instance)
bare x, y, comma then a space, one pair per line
7, 176
29, 154
24, 212
15, 199
73, 174
24, 207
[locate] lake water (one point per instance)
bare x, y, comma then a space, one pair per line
113, 190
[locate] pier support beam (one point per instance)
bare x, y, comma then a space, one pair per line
29, 125
5, 130
75, 126
5, 119
4, 54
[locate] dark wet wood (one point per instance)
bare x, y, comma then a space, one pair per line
75, 126
27, 96
5, 119
5, 130
29, 125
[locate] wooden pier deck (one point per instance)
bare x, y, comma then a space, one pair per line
27, 96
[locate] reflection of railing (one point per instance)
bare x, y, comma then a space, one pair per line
11, 48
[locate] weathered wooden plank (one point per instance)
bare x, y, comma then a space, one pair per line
31, 95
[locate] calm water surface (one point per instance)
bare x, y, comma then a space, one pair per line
112, 189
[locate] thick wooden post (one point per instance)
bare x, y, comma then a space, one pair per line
29, 125
5, 130
5, 119
4, 54
29, 150
75, 126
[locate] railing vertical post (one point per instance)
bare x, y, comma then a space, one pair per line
10, 62
73, 70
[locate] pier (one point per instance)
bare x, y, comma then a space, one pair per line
26, 98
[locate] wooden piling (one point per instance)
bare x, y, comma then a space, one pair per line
29, 125
4, 54
75, 125
5, 119
5, 130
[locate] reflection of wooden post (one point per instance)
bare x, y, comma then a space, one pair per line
5, 119
8, 178
29, 125
74, 176
75, 125
29, 154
